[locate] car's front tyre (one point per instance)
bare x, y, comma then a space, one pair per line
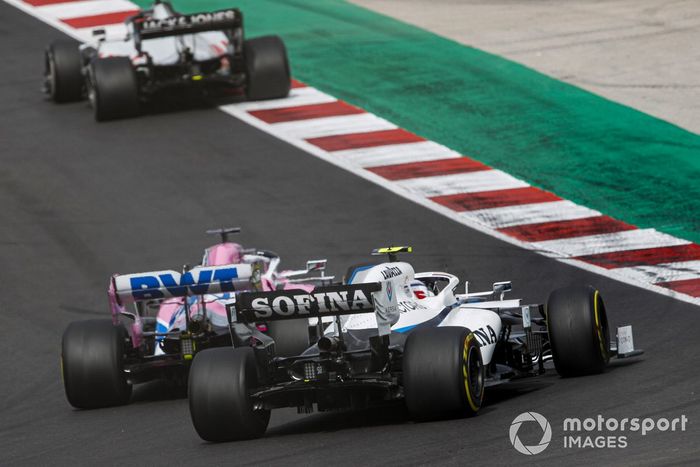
578, 331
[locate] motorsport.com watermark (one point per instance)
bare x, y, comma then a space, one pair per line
611, 432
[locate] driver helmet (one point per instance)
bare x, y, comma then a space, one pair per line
420, 290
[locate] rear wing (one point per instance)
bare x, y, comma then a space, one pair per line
336, 300
149, 28
200, 280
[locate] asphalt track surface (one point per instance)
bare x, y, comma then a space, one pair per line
82, 200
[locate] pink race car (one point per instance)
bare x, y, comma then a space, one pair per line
175, 315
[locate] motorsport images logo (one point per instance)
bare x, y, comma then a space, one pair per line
593, 432
540, 422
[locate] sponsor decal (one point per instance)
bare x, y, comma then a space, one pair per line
485, 336
195, 282
185, 22
334, 300
389, 290
389, 272
407, 305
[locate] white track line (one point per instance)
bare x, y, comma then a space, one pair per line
607, 243
663, 272
391, 154
469, 182
535, 213
86, 8
297, 97
51, 21
332, 126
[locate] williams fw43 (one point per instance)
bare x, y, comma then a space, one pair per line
395, 335
164, 55
162, 319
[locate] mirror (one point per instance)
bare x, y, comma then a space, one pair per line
500, 288
316, 265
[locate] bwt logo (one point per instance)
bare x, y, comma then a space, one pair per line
153, 287
543, 425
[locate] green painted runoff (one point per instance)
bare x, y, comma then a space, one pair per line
583, 147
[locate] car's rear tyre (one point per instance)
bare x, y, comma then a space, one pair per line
63, 71
291, 336
267, 67
92, 364
578, 331
220, 381
443, 373
113, 88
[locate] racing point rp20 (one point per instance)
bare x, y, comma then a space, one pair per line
161, 319
162, 54
395, 334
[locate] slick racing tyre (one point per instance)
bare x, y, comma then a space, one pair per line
291, 336
92, 364
267, 67
578, 331
113, 88
443, 373
220, 381
63, 71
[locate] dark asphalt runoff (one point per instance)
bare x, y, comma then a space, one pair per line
80, 201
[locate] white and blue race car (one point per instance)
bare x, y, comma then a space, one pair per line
396, 335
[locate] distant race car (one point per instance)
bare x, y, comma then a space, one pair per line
402, 336
175, 316
165, 52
